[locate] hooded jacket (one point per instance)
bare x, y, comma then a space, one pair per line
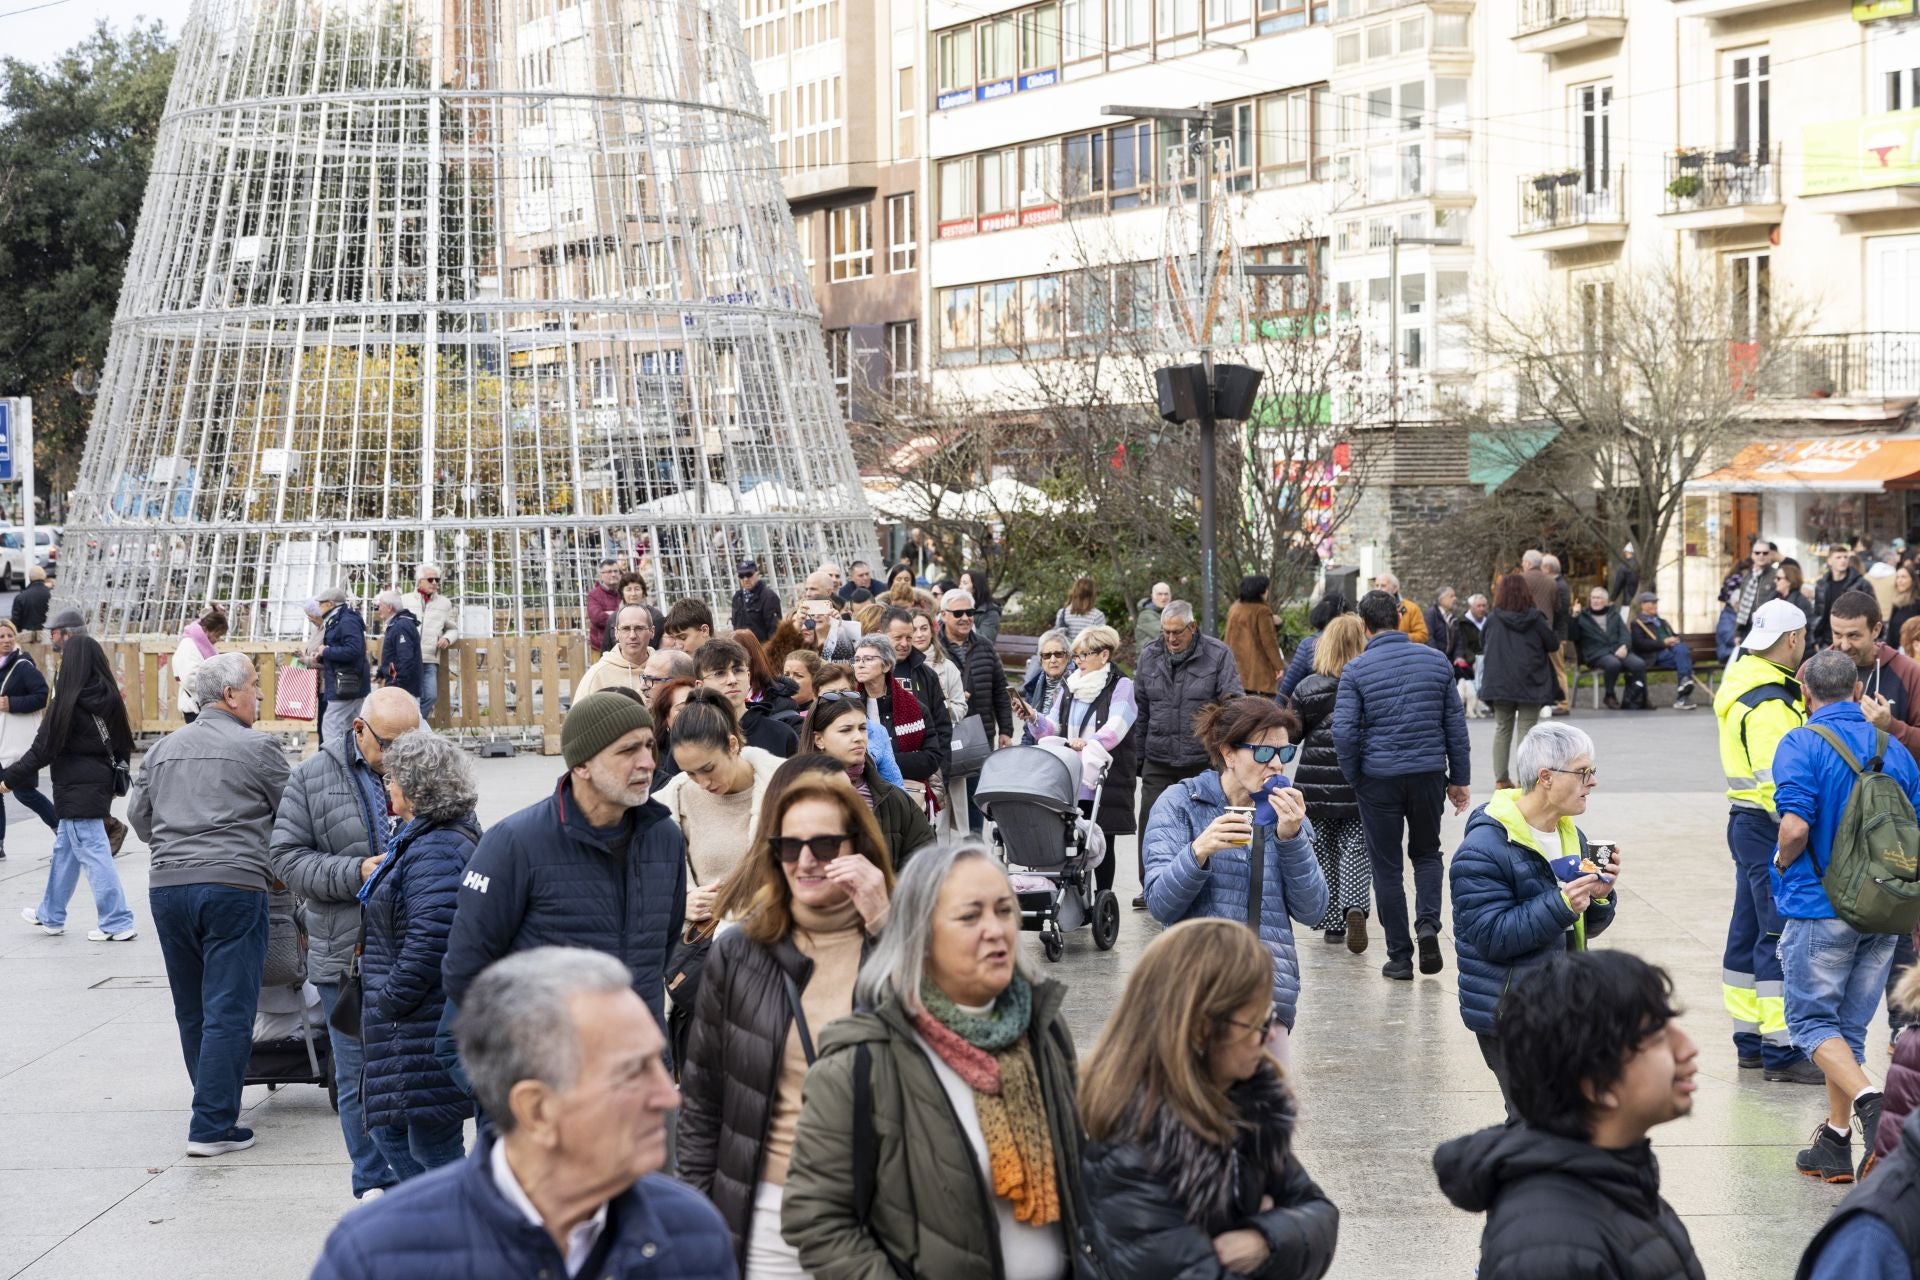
1156, 1204
1508, 911
1519, 667
1565, 1209
613, 671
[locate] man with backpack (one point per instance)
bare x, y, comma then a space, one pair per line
1844, 879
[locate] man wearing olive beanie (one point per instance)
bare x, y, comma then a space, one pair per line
596, 864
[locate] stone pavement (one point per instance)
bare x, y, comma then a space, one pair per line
94, 1100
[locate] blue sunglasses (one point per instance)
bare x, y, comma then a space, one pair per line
1267, 755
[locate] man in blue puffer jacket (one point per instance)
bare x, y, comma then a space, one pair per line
1510, 910
1402, 738
572, 1069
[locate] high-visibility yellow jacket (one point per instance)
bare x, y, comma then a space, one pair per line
1757, 703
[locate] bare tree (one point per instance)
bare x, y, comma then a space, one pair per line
1614, 396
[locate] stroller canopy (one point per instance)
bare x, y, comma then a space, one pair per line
1047, 775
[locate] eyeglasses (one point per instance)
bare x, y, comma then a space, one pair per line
1090, 654
1172, 633
823, 848
366, 728
429, 579
1264, 754
1051, 654
1264, 1028
1586, 776
960, 613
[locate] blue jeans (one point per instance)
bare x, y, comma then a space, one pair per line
1835, 978
429, 688
1676, 659
35, 801
412, 1149
1751, 984
370, 1167
77, 843
213, 938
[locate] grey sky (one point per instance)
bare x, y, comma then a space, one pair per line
33, 33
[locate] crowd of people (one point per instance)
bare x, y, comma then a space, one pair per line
745, 994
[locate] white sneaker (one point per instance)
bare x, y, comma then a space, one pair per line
125, 935
368, 1197
53, 930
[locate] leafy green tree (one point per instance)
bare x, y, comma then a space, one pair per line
76, 141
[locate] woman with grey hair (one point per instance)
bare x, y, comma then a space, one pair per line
1525, 881
1046, 685
939, 1124
893, 706
415, 1110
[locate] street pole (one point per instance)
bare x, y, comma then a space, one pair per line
23, 451
1209, 430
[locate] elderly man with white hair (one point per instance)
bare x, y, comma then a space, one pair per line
1413, 619
341, 652
984, 675
400, 664
438, 630
205, 802
570, 1067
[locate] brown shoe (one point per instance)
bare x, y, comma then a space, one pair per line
116, 834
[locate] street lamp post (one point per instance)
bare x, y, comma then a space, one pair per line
1207, 119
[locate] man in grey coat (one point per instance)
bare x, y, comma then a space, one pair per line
1179, 673
332, 832
205, 802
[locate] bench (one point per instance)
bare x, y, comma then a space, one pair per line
1015, 653
1706, 666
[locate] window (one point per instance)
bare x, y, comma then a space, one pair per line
1040, 38
1346, 49
1291, 295
1593, 136
849, 243
905, 106
1893, 66
956, 189
1594, 298
1175, 17
1086, 170
999, 319
1450, 102
1413, 33
1752, 293
1751, 74
1130, 177
901, 239
1127, 23
1080, 29
601, 380
1380, 41
1040, 311
1450, 30
999, 181
1452, 330
1040, 175
1413, 104
1225, 13
903, 349
959, 326
953, 56
1089, 304
840, 364
996, 49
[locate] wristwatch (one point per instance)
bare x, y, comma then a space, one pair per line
1776, 864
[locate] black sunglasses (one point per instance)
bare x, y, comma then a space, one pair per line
842, 695
960, 613
1266, 754
823, 848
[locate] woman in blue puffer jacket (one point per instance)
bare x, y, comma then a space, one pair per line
1510, 911
1197, 852
415, 1110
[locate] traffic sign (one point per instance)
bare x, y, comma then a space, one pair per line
7, 423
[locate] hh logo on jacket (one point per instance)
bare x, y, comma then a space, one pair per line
475, 881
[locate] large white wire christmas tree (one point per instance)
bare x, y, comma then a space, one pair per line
505, 284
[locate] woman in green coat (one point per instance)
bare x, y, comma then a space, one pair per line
938, 1135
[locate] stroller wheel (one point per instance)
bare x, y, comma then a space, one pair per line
1053, 944
1106, 920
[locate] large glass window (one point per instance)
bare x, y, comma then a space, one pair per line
901, 242
849, 243
1450, 101
1751, 73
996, 49
1450, 30
999, 319
1131, 175
1040, 311
959, 320
1127, 23
1080, 29
954, 55
1175, 17
1040, 174
1086, 170
1223, 13
1752, 294
999, 181
956, 189
1040, 38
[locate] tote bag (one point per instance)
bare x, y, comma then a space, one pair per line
297, 695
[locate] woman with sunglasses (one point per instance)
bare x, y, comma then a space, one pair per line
809, 900
838, 729
1098, 709
1189, 1163
1510, 910
1046, 686
1200, 838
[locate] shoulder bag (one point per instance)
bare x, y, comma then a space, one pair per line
122, 770
971, 746
685, 961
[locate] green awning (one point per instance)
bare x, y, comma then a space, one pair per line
1493, 456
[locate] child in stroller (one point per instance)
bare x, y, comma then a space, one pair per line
1050, 848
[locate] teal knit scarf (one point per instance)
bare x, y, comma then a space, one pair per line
994, 1032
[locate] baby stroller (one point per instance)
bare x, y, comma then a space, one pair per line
290, 1041
1049, 848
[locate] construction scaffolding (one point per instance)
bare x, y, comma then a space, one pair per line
506, 285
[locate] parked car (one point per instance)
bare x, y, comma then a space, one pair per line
46, 544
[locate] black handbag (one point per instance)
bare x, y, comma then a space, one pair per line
122, 770
345, 1017
349, 682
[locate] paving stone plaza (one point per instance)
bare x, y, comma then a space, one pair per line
94, 1100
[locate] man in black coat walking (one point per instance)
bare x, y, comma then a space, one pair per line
1596, 1061
756, 607
31, 605
1840, 578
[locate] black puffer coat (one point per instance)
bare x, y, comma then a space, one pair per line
1567, 1209
1519, 666
81, 764
734, 1054
1156, 1205
408, 915
1328, 794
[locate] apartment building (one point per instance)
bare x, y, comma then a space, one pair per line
845, 100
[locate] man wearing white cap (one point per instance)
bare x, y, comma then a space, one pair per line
1759, 701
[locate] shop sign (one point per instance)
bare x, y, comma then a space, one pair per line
1874, 10
998, 89
1862, 153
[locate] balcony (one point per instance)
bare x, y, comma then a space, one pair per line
1726, 8
1562, 26
1865, 165
1845, 377
1713, 190
1572, 209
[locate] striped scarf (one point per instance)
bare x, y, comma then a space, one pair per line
909, 727
994, 1056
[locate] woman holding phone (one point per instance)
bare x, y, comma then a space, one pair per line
1199, 843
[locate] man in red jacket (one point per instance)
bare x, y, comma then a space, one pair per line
603, 601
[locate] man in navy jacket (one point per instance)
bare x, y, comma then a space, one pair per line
572, 1070
1401, 735
597, 864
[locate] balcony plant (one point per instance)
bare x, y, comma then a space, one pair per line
1568, 177
1685, 188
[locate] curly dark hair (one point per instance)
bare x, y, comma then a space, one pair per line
1568, 1027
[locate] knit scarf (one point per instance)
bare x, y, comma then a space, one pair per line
909, 718
994, 1056
1049, 690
